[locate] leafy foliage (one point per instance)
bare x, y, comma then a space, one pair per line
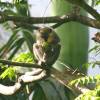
20, 34
86, 80
90, 95
93, 94
10, 71
44, 90
96, 51
96, 2
24, 57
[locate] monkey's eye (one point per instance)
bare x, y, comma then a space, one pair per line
49, 30
45, 36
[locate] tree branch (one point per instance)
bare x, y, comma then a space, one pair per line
63, 77
12, 89
66, 72
8, 62
59, 20
21, 80
80, 19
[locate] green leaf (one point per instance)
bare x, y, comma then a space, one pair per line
5, 48
94, 48
38, 93
84, 80
24, 57
22, 8
93, 65
90, 95
10, 12
97, 2
8, 73
17, 45
6, 5
87, 65
29, 40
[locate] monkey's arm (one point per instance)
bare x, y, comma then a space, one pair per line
49, 60
38, 52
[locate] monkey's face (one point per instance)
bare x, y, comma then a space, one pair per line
44, 33
48, 35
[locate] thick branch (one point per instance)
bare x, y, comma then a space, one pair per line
9, 90
25, 79
80, 19
54, 19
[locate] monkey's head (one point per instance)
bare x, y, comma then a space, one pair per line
48, 35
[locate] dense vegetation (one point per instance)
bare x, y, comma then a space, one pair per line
67, 84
